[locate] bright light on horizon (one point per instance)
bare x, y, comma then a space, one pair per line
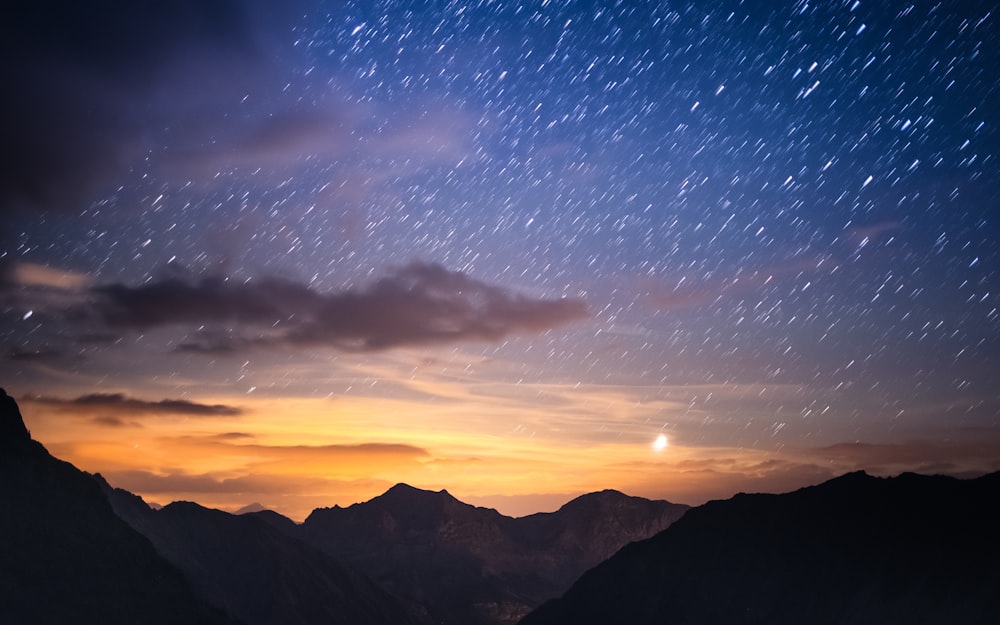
660, 443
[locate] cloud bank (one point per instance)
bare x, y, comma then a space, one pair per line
418, 304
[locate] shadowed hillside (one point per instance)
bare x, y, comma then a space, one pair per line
857, 549
257, 573
67, 558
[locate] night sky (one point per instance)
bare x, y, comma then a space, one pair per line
296, 255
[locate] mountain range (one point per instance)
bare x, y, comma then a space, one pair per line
912, 549
857, 549
475, 566
257, 574
409, 556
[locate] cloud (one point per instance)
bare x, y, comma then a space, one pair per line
36, 355
275, 468
121, 404
41, 276
187, 92
980, 454
180, 483
695, 293
416, 304
860, 236
276, 141
96, 81
231, 436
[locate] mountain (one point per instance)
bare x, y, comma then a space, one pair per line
274, 519
66, 557
475, 566
857, 549
257, 573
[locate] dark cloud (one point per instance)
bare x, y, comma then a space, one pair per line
97, 84
231, 436
177, 483
120, 404
186, 91
113, 422
946, 456
416, 304
36, 355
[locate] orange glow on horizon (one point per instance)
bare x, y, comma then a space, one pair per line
517, 448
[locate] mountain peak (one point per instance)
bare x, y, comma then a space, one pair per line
253, 507
12, 427
407, 492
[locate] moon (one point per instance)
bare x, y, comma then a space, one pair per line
660, 443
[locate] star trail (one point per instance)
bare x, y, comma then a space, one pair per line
501, 248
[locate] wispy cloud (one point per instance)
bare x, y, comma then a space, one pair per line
692, 292
119, 404
27, 289
24, 274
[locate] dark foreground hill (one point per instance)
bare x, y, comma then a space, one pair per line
260, 575
857, 549
66, 556
475, 566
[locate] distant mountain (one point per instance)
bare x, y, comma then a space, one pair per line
276, 520
66, 556
256, 572
475, 566
857, 549
254, 507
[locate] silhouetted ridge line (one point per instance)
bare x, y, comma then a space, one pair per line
67, 557
856, 549
475, 566
12, 428
255, 571
432, 557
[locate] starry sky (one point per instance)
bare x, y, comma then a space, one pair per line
294, 255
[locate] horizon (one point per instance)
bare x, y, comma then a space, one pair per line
561, 500
515, 506
297, 254
66, 446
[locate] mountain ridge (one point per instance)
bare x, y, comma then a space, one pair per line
855, 549
473, 565
68, 557
256, 572
430, 554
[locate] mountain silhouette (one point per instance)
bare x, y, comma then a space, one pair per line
257, 573
475, 566
67, 557
857, 549
80, 550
